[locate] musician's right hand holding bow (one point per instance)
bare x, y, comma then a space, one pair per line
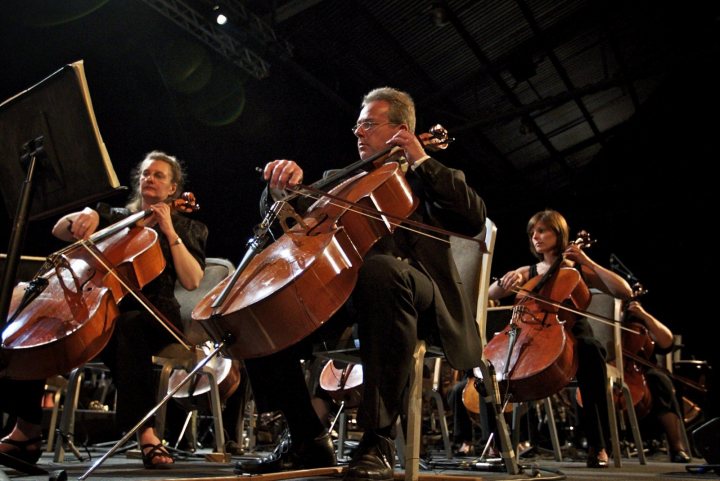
661, 334
282, 173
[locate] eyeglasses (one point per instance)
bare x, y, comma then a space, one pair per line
368, 125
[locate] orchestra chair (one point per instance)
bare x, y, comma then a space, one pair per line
71, 389
474, 268
610, 307
176, 357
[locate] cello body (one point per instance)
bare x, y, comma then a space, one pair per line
542, 360
72, 319
297, 283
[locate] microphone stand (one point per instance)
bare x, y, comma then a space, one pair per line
254, 246
617, 265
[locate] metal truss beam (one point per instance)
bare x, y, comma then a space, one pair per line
198, 25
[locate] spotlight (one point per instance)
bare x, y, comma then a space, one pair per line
220, 17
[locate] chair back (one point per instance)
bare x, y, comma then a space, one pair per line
474, 269
609, 336
216, 269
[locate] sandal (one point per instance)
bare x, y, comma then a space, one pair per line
20, 449
156, 450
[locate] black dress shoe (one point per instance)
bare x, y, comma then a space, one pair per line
680, 457
314, 453
373, 460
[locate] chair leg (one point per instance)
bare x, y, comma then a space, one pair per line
632, 417
54, 416
686, 440
612, 421
412, 449
552, 427
492, 399
67, 420
400, 443
519, 410
434, 395
216, 408
166, 371
342, 434
251, 425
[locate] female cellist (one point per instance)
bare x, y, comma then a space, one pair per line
157, 179
137, 336
664, 407
406, 288
548, 234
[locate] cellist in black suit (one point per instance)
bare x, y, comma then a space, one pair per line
408, 288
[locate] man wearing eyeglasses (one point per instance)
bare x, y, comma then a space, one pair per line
407, 288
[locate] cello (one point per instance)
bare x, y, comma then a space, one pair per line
636, 343
65, 316
297, 283
534, 354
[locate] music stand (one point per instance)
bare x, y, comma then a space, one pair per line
52, 159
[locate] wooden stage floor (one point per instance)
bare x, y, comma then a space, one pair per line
194, 467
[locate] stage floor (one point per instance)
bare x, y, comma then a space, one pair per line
195, 467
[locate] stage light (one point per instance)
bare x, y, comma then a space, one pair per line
220, 17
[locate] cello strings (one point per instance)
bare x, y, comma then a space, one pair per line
348, 205
597, 317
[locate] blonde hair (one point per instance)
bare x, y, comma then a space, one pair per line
176, 170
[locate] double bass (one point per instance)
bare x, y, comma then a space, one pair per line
534, 355
66, 315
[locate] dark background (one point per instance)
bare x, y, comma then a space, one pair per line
645, 188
